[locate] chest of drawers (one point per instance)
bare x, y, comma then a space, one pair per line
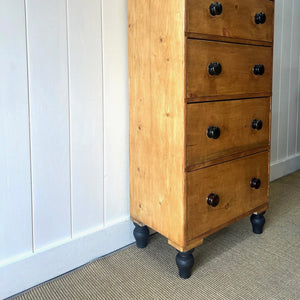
200, 85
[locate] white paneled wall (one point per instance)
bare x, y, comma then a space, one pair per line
86, 114
285, 146
116, 133
49, 120
64, 184
64, 137
15, 187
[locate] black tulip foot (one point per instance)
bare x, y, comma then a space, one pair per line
258, 222
185, 262
141, 235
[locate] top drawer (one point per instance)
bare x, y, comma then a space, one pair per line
241, 19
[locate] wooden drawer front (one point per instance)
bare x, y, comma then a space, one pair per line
234, 119
236, 77
237, 19
231, 182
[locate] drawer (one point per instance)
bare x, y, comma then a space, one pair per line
232, 18
218, 69
219, 129
231, 182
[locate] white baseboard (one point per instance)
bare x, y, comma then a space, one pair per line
285, 167
18, 276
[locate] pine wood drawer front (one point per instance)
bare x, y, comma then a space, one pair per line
231, 182
219, 129
234, 66
234, 19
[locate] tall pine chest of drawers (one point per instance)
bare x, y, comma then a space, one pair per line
200, 86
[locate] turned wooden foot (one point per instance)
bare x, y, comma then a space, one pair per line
141, 235
258, 222
185, 262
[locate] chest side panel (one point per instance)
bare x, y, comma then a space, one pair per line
157, 115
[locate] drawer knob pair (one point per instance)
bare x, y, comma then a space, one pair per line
214, 199
214, 132
216, 9
215, 69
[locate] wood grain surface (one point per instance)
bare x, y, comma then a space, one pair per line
231, 182
237, 63
157, 115
234, 118
237, 19
168, 71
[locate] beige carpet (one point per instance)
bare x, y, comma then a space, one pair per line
231, 264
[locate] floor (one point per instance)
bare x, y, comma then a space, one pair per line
232, 264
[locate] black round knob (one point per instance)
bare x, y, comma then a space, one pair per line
257, 124
259, 69
214, 68
213, 200
255, 183
213, 132
260, 18
215, 8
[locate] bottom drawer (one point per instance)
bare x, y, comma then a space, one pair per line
232, 188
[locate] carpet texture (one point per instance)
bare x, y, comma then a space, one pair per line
234, 263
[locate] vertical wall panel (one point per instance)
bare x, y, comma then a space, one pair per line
276, 77
285, 80
115, 72
286, 106
294, 67
298, 106
15, 194
48, 90
86, 113
297, 17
